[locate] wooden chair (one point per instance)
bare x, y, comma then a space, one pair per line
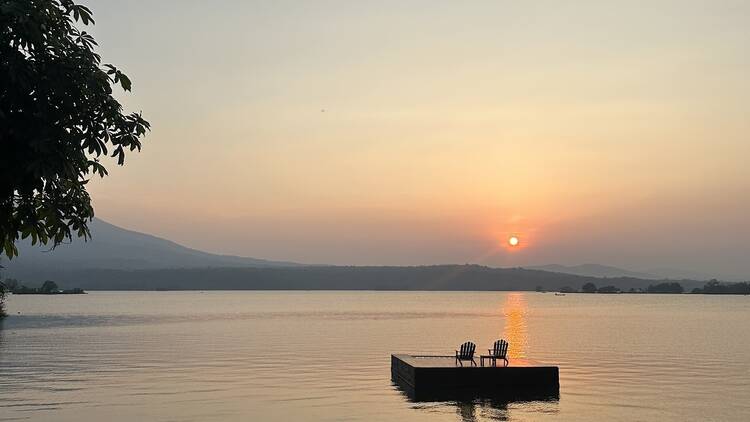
499, 351
466, 353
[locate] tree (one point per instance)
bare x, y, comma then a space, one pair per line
667, 287
589, 288
10, 284
3, 291
608, 289
716, 287
49, 286
57, 119
2, 300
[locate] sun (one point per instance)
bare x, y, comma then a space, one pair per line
513, 241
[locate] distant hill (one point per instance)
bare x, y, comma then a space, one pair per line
115, 248
595, 270
120, 259
434, 277
678, 274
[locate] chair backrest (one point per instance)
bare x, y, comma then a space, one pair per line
500, 348
467, 350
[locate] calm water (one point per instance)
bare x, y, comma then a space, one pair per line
238, 356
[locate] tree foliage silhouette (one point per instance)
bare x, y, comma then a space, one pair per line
3, 289
58, 117
49, 286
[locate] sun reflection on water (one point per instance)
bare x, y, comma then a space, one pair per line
515, 332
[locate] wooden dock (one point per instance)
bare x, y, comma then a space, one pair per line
425, 378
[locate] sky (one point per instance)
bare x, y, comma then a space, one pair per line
424, 132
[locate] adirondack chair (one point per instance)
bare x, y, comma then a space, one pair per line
466, 353
499, 351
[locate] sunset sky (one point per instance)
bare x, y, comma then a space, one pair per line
421, 132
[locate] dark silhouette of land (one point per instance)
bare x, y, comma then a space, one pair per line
715, 287
3, 314
436, 277
594, 270
120, 259
49, 287
113, 247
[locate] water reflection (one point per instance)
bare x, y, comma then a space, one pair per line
515, 310
476, 411
482, 405
474, 405
467, 411
502, 409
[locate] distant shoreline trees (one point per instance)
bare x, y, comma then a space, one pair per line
49, 287
665, 287
588, 288
2, 300
608, 289
3, 292
715, 287
668, 287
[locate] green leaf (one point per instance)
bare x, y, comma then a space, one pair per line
125, 82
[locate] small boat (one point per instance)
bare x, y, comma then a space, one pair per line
559, 294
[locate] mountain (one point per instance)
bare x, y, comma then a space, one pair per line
433, 277
678, 274
115, 248
595, 270
120, 259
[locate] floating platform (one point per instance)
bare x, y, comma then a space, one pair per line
428, 378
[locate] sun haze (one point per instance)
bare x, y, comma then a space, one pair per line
585, 124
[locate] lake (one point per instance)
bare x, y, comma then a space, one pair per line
320, 356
